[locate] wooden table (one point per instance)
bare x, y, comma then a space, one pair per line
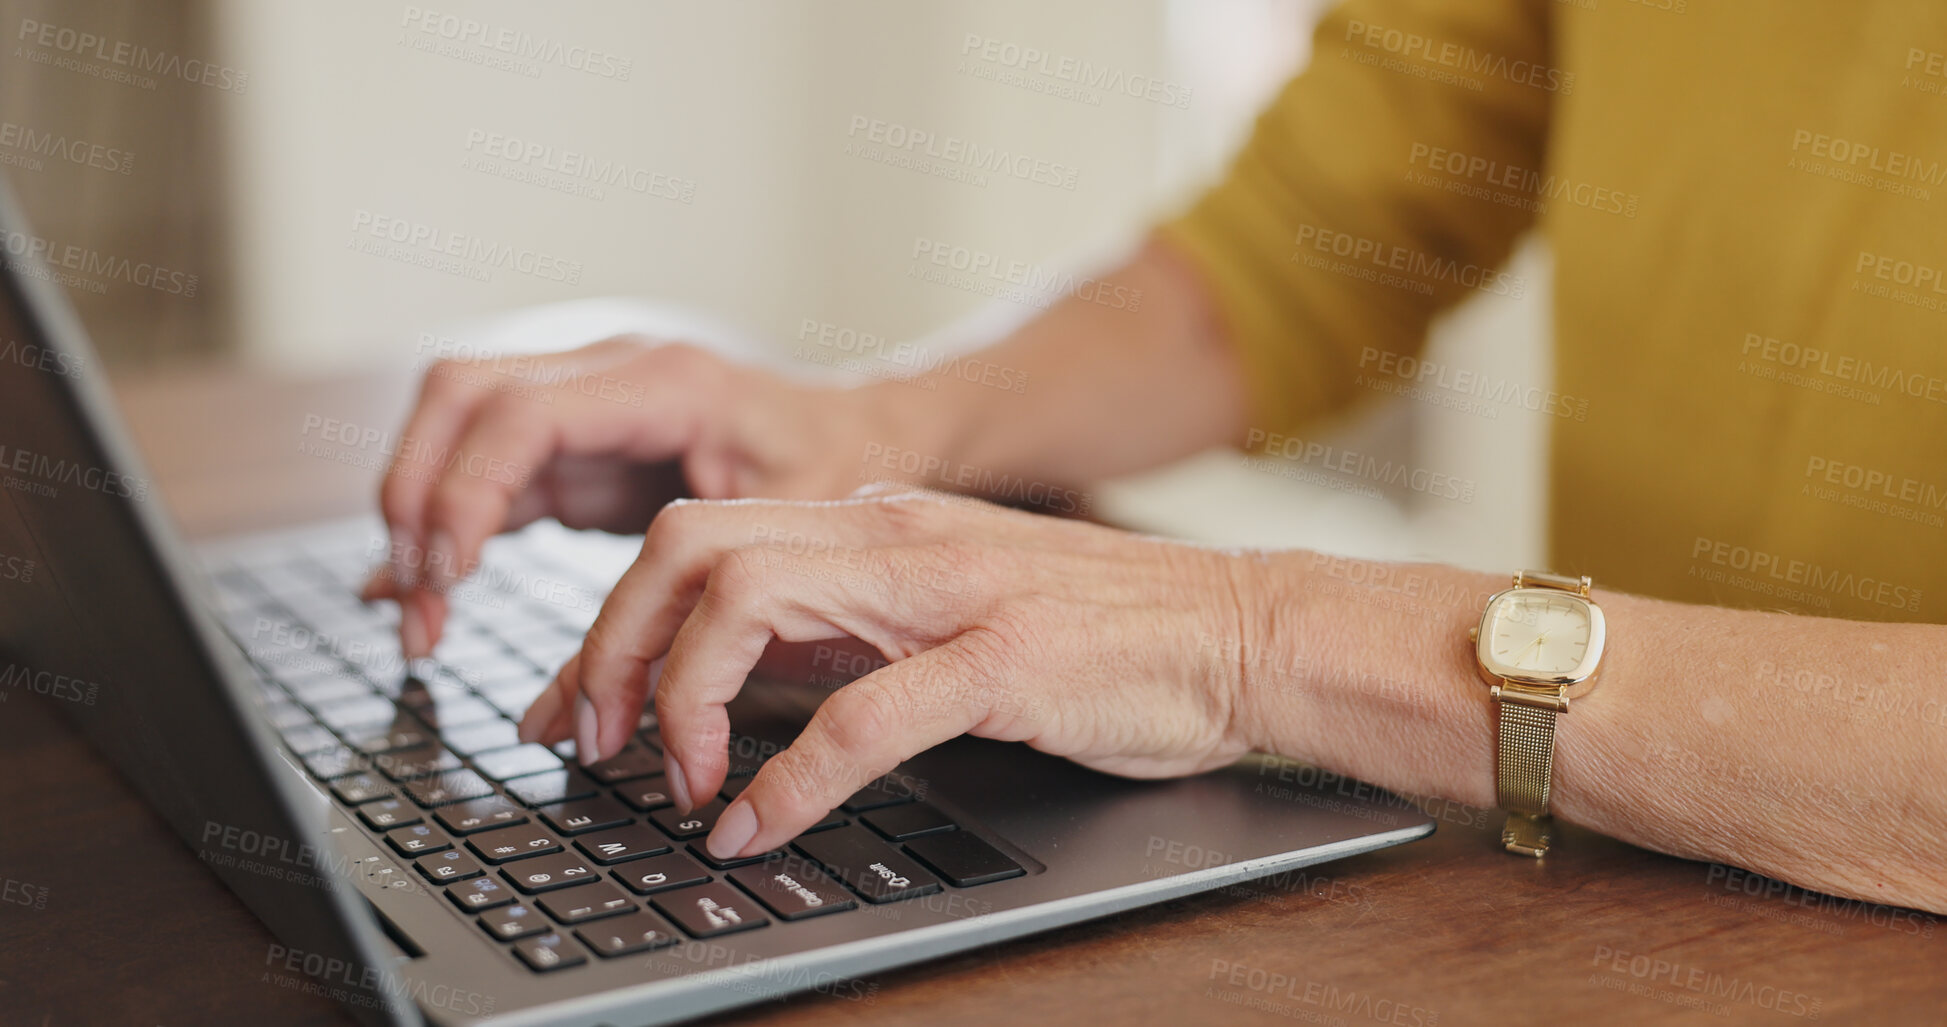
106, 919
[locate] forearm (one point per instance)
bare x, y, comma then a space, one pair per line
1125, 375
1698, 741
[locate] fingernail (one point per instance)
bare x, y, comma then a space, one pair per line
735, 829
679, 789
588, 732
412, 632
440, 559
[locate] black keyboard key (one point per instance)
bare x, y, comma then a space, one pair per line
584, 815
963, 858
411, 764
451, 865
375, 740
445, 713
832, 819
908, 821
420, 694
554, 786
586, 902
287, 716
481, 893
501, 764
448, 788
546, 873
647, 795
328, 690
512, 697
307, 738
698, 850
509, 923
793, 888
480, 815
549, 952
511, 843
485, 736
693, 824
622, 844
867, 865
386, 815
336, 762
637, 932
352, 714
360, 788
634, 761
708, 910
417, 840
886, 791
660, 873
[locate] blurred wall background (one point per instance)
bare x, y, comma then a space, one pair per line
318, 164
116, 158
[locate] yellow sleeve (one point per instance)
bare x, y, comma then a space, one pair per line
1348, 221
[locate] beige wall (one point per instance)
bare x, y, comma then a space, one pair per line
750, 105
751, 101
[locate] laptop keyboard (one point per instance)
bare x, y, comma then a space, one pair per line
559, 863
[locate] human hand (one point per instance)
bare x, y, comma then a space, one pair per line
1080, 640
598, 437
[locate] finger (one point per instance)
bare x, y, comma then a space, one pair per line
640, 619
448, 396
422, 619
748, 602
756, 595
493, 462
512, 439
545, 712
379, 585
859, 734
442, 410
560, 724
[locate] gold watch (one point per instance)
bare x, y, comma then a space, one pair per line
1538, 645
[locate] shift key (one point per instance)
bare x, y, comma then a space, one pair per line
867, 865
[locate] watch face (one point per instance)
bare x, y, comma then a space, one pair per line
1540, 633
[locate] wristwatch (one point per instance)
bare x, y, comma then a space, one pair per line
1538, 645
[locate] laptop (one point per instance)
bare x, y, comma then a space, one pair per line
420, 865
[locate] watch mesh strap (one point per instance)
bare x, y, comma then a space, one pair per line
1526, 757
1543, 579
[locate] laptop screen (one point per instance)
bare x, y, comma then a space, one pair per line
95, 619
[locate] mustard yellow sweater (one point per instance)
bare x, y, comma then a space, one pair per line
1747, 205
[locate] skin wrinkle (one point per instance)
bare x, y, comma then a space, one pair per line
1095, 635
1111, 678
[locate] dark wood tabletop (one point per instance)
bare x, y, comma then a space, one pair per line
105, 918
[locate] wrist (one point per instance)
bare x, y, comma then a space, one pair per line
903, 434
1247, 645
1363, 668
